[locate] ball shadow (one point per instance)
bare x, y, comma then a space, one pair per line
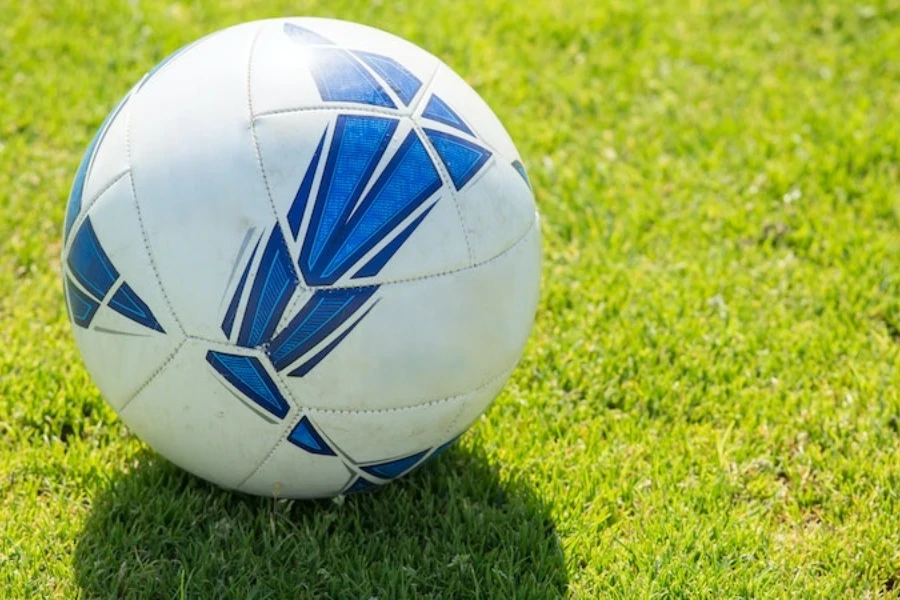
453, 530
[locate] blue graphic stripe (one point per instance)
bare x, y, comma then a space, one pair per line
82, 307
321, 315
247, 374
89, 263
342, 78
272, 289
228, 321
308, 366
356, 148
298, 207
462, 158
406, 182
127, 303
394, 468
75, 195
304, 36
404, 83
438, 110
377, 262
520, 169
305, 436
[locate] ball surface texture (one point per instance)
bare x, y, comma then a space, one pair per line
301, 257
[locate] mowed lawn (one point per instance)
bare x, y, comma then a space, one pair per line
710, 402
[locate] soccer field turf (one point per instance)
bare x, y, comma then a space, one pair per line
709, 405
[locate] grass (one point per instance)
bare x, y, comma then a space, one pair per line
710, 403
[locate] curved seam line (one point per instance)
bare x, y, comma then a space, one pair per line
304, 410
332, 106
503, 374
258, 153
429, 85
336, 289
282, 436
448, 183
470, 267
86, 207
442, 169
153, 375
140, 216
288, 313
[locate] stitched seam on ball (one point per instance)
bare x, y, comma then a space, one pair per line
140, 216
153, 375
86, 207
282, 436
302, 411
426, 89
292, 305
503, 374
473, 266
258, 151
352, 106
445, 175
338, 289
332, 107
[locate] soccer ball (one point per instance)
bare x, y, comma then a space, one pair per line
301, 257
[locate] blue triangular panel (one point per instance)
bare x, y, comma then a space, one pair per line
82, 307
437, 110
128, 304
273, 286
321, 315
462, 158
247, 374
394, 468
305, 436
360, 485
89, 263
357, 146
340, 77
302, 35
404, 83
406, 182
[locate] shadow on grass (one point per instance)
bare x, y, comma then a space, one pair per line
453, 530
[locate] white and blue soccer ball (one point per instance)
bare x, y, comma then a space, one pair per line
301, 257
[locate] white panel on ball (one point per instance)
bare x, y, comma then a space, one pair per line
291, 472
110, 159
497, 209
196, 174
434, 338
190, 415
379, 435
